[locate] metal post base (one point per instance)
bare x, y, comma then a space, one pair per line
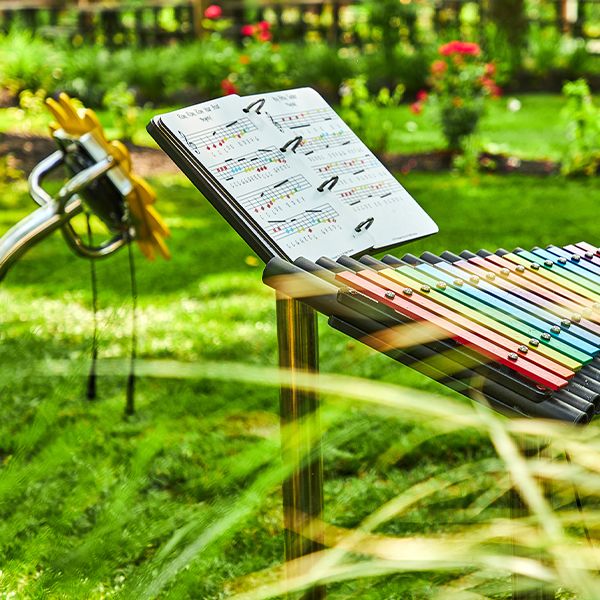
518, 509
303, 490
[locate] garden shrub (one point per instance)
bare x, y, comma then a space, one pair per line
27, 62
87, 73
322, 66
582, 153
198, 70
460, 81
362, 112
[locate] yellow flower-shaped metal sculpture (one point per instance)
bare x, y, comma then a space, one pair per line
150, 229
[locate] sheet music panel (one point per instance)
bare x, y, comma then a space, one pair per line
290, 176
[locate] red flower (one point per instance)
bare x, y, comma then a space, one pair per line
438, 67
264, 26
228, 87
247, 30
264, 36
416, 108
458, 47
213, 12
490, 69
491, 86
422, 95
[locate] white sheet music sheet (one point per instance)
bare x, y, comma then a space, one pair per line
329, 147
242, 151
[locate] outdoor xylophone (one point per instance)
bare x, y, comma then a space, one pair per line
520, 330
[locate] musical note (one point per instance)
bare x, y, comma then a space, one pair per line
303, 223
354, 166
215, 138
271, 196
260, 161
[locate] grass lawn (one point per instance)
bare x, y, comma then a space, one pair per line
535, 131
92, 504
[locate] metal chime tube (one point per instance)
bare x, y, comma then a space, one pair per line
303, 490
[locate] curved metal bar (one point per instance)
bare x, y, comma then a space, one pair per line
76, 184
84, 178
102, 251
55, 213
33, 228
37, 192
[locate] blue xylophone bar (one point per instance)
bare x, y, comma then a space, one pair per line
517, 330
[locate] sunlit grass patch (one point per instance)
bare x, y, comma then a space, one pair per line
92, 504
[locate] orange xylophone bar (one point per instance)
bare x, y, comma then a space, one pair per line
482, 353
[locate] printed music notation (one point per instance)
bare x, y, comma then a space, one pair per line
278, 190
299, 120
367, 193
303, 223
260, 161
213, 138
354, 166
269, 197
325, 141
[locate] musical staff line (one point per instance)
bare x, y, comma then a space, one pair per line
366, 192
326, 140
304, 222
268, 197
306, 118
255, 162
217, 137
354, 166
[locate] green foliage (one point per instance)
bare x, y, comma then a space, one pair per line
510, 19
582, 154
360, 109
550, 52
390, 23
28, 63
120, 102
261, 67
190, 70
319, 65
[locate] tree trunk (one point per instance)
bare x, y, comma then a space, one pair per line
511, 20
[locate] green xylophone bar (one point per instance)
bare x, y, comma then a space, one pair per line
536, 337
570, 332
512, 280
546, 330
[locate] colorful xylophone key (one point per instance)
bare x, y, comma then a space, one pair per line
520, 329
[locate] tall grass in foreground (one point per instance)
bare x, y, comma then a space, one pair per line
548, 545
